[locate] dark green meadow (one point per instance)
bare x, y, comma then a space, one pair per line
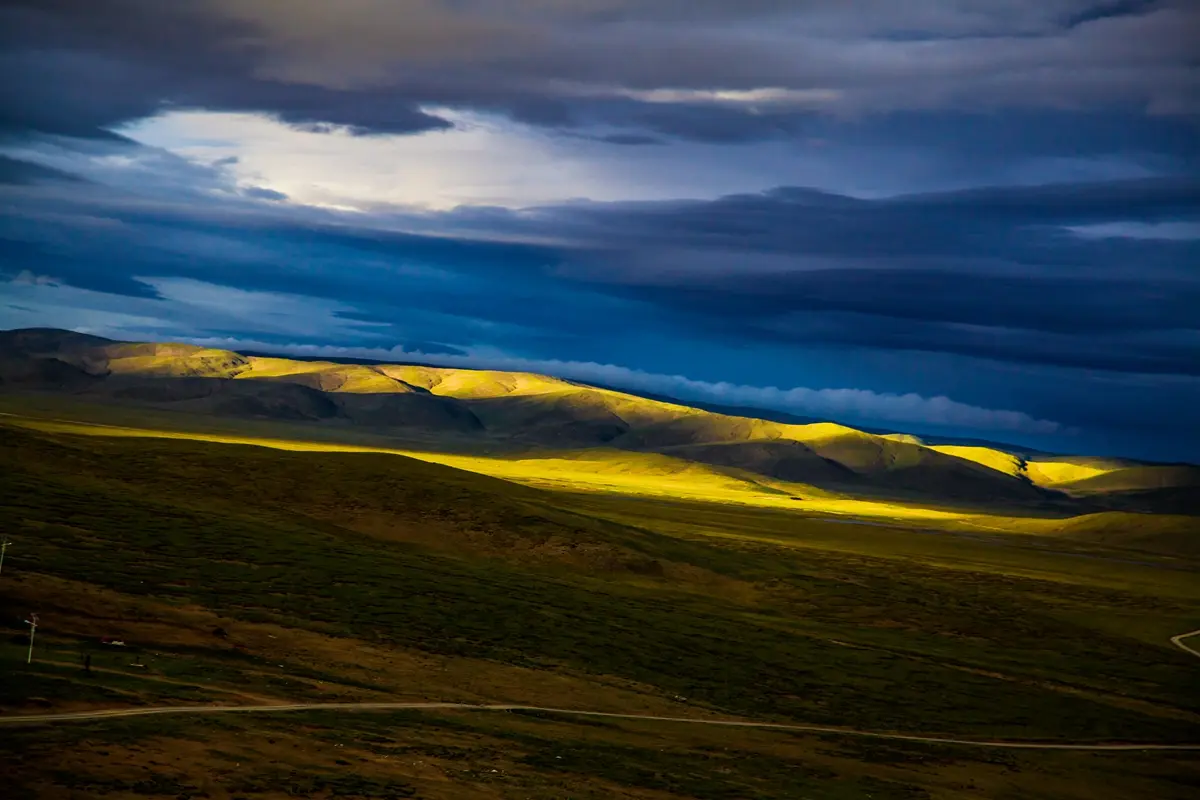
715, 610
511, 755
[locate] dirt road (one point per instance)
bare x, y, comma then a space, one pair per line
78, 716
1178, 642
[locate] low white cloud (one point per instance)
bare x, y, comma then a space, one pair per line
482, 160
28, 278
765, 96
487, 160
881, 407
1171, 231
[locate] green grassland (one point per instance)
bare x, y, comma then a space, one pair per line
369, 575
464, 755
412, 754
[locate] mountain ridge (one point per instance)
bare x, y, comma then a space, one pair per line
756, 412
529, 410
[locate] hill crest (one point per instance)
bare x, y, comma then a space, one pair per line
527, 410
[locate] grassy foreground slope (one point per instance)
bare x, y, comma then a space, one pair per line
240, 573
163, 504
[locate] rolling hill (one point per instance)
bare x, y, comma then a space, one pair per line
523, 413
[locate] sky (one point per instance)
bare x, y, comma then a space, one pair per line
969, 218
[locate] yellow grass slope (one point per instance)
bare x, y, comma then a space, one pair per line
1062, 470
592, 470
616, 472
1071, 473
163, 361
469, 384
856, 450
1002, 462
836, 457
324, 376
1136, 478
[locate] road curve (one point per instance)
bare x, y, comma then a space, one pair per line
77, 716
1178, 642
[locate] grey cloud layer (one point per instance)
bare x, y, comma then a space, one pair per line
991, 273
643, 66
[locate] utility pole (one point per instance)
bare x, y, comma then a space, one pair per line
32, 623
4, 543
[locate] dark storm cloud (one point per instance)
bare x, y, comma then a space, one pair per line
800, 220
628, 139
259, 193
108, 272
72, 66
1158, 351
77, 68
13, 170
1108, 10
1078, 306
1018, 133
991, 273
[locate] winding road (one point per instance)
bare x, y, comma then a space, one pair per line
1178, 642
81, 716
78, 716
